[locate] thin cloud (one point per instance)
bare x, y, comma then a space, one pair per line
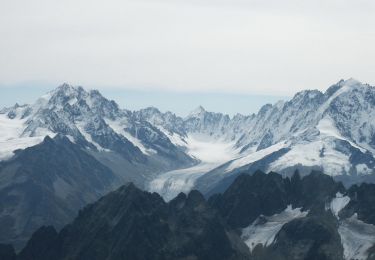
262, 47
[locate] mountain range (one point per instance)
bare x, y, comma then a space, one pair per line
72, 146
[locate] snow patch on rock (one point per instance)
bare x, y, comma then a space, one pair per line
264, 229
338, 203
357, 237
255, 156
119, 127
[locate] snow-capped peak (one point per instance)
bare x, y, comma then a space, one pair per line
66, 89
351, 82
199, 111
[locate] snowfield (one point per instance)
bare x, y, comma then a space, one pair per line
338, 203
11, 137
315, 153
119, 128
356, 237
255, 156
264, 229
211, 154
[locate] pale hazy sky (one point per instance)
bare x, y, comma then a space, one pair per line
252, 47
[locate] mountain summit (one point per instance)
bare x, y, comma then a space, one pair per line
198, 112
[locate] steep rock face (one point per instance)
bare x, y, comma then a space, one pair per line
314, 190
35, 250
361, 203
7, 252
155, 140
250, 196
47, 184
266, 194
312, 237
132, 224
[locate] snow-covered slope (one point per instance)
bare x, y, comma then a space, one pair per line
357, 238
12, 126
332, 131
264, 229
97, 125
210, 152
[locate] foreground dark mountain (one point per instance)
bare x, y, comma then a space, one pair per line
132, 224
263, 216
48, 184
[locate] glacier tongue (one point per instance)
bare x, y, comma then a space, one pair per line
211, 154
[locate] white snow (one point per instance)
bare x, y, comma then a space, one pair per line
87, 136
356, 237
210, 150
264, 229
118, 126
72, 101
326, 127
308, 154
253, 157
338, 203
11, 137
175, 138
211, 154
171, 183
362, 168
347, 87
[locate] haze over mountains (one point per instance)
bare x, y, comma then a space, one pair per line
72, 146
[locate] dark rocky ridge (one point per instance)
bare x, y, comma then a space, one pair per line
132, 224
48, 184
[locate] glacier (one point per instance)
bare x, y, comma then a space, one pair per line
264, 229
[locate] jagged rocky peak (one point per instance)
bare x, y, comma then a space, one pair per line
150, 110
264, 109
64, 93
198, 112
16, 111
114, 227
151, 114
306, 98
67, 96
350, 83
317, 97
